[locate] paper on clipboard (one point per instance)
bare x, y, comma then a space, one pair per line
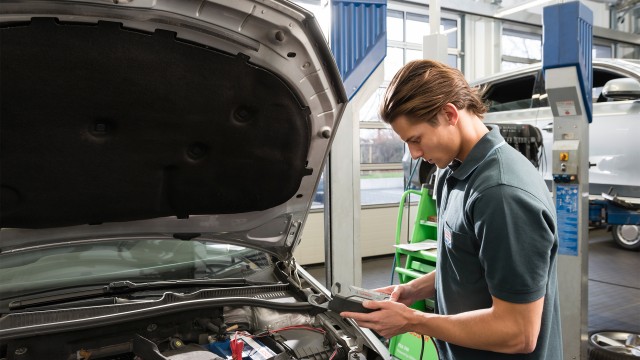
423, 245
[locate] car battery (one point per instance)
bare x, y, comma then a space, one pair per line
253, 349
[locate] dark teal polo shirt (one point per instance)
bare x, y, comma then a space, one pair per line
497, 237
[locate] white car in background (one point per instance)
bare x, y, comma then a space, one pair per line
519, 97
158, 162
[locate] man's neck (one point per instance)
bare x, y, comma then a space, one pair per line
472, 129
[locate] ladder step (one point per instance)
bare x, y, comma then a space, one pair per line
422, 267
411, 273
428, 223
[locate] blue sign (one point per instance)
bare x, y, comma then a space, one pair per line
567, 210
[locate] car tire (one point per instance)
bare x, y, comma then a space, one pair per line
627, 236
614, 345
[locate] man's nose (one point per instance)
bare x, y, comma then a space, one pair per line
415, 151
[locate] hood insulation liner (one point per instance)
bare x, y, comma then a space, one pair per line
103, 124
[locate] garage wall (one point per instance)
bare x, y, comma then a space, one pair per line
377, 231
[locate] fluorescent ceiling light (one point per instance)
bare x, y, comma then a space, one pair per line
449, 31
520, 7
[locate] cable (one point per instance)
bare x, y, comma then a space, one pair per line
422, 348
334, 353
292, 327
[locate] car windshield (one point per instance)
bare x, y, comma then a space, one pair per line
138, 260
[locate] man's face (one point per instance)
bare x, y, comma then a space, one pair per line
437, 145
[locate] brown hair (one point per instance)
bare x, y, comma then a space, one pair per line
423, 87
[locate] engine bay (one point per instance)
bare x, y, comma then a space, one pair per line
228, 332
259, 322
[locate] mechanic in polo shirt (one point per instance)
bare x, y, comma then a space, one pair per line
495, 281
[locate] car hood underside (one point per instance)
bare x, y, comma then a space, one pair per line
109, 127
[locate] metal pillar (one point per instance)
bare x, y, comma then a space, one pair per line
568, 77
342, 219
483, 40
359, 44
434, 45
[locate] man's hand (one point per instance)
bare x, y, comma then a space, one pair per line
390, 319
399, 293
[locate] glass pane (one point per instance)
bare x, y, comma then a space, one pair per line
381, 187
394, 26
413, 55
602, 51
628, 51
380, 146
512, 94
136, 260
392, 62
369, 112
417, 27
523, 47
318, 196
452, 60
600, 78
450, 28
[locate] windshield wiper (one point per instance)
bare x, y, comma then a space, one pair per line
126, 287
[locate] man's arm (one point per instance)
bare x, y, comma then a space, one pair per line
505, 327
424, 286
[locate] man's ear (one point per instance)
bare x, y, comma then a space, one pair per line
452, 113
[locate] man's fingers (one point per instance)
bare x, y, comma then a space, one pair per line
370, 304
354, 315
385, 290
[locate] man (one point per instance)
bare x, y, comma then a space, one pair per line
495, 281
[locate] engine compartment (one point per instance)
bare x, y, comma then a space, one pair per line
259, 322
214, 333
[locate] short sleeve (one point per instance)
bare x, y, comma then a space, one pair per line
516, 235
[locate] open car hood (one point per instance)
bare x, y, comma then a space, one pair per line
123, 118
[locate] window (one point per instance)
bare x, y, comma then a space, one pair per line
417, 26
626, 51
381, 150
380, 146
600, 78
381, 186
393, 62
511, 94
395, 25
520, 47
602, 51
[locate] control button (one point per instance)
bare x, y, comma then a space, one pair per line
563, 167
564, 156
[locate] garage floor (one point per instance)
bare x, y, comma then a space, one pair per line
614, 282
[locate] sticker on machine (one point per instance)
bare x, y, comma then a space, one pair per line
566, 108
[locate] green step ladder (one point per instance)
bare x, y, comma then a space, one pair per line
417, 263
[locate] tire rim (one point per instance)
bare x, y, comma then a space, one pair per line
628, 234
618, 342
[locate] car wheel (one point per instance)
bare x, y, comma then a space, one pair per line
614, 345
627, 236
